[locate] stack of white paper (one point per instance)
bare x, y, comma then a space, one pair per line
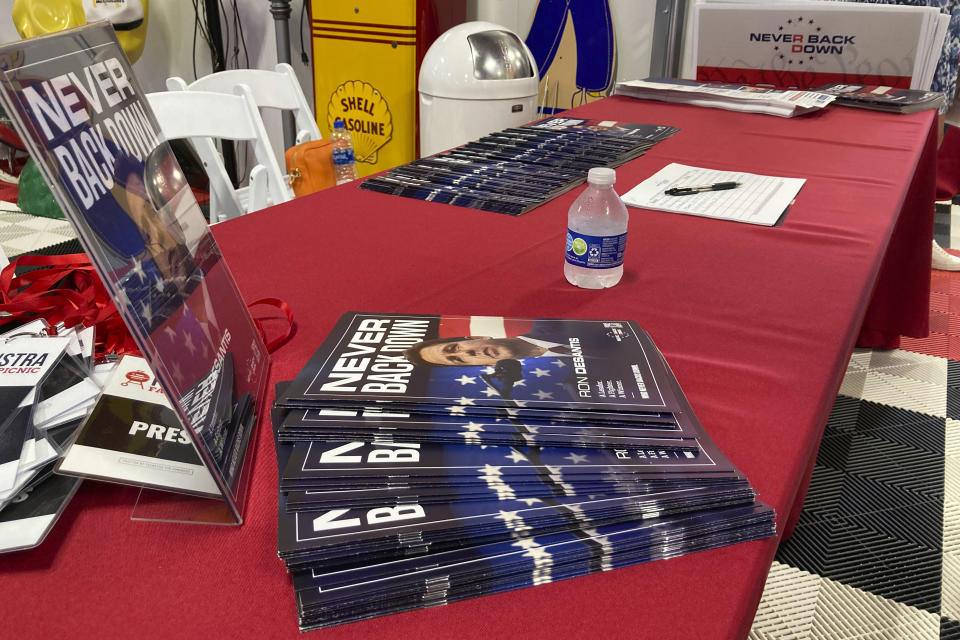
757, 200
732, 97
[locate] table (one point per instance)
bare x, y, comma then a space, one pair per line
757, 323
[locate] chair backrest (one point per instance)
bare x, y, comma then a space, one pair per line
278, 89
202, 116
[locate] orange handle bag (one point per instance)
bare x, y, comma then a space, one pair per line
310, 165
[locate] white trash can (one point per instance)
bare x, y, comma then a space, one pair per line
477, 78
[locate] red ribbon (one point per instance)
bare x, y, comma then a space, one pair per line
66, 289
285, 308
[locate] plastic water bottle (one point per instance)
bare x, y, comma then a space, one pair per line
344, 162
596, 233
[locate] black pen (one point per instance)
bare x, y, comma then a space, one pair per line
686, 191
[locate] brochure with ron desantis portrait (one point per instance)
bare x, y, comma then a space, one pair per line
473, 365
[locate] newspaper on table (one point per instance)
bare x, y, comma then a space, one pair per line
733, 97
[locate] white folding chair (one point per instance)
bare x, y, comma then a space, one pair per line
278, 89
203, 116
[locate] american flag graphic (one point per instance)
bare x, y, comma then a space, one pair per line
542, 377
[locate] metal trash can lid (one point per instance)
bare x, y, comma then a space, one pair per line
479, 61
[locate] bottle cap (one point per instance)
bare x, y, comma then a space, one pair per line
338, 124
601, 176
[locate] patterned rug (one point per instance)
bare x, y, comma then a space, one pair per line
876, 553
22, 233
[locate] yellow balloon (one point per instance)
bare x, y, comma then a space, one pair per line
132, 40
38, 17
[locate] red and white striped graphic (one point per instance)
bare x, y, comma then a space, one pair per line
492, 326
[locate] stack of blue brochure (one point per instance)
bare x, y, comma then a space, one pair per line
427, 459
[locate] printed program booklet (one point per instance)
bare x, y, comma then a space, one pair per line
132, 436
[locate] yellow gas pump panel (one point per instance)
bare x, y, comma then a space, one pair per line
364, 56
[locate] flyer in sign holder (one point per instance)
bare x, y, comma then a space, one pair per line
803, 45
81, 113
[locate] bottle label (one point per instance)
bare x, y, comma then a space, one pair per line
595, 252
343, 156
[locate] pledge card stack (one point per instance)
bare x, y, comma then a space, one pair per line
517, 169
427, 459
47, 384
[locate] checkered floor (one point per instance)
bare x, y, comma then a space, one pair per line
876, 553
21, 233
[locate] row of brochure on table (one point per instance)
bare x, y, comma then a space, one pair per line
514, 170
777, 102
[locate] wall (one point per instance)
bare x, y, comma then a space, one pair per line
7, 32
687, 68
632, 19
170, 44
169, 48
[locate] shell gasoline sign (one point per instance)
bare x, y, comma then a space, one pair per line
365, 114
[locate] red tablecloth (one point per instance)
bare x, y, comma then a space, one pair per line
757, 323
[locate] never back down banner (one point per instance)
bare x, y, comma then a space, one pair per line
805, 45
